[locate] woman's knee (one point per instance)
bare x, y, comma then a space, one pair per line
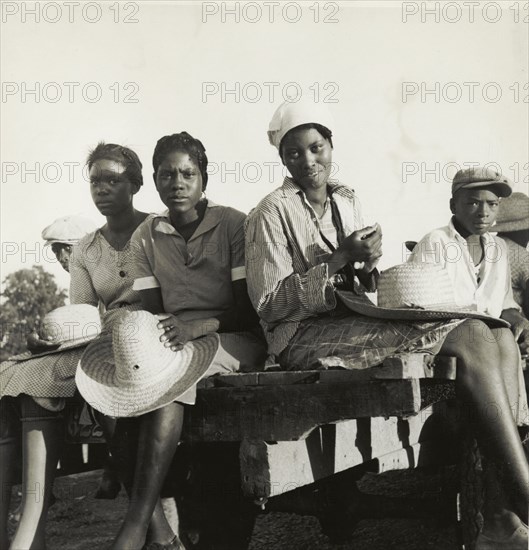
474, 343
507, 345
166, 420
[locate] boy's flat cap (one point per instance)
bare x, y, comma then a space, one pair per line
482, 177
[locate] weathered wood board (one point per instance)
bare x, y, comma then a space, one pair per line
286, 406
267, 468
399, 367
290, 412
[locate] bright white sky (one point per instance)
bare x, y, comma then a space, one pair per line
396, 154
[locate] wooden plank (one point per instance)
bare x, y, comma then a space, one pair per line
437, 366
290, 412
225, 380
289, 377
260, 379
404, 366
402, 459
399, 367
270, 469
418, 365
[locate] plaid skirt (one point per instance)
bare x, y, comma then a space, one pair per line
353, 341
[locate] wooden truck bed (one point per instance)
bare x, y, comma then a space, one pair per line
297, 427
297, 441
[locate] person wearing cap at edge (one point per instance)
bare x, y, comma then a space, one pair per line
100, 269
512, 225
478, 265
62, 234
190, 268
476, 260
304, 234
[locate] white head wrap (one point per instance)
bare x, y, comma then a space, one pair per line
289, 115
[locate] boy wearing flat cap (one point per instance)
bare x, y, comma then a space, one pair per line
476, 260
478, 265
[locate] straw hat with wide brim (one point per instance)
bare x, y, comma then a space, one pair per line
415, 292
68, 327
513, 214
130, 372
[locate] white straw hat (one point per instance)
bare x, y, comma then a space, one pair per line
413, 292
68, 326
68, 230
290, 114
130, 372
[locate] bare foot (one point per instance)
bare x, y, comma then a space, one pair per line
515, 541
129, 539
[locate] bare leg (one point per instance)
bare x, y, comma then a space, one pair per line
9, 456
170, 512
122, 437
41, 441
509, 360
482, 370
159, 435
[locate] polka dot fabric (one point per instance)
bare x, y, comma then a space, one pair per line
100, 273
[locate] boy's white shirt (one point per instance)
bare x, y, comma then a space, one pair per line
446, 247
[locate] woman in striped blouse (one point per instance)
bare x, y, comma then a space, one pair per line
307, 238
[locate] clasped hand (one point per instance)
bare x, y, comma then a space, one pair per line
363, 245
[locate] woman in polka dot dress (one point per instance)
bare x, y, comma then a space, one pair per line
100, 268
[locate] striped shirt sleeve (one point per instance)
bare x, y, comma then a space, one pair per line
277, 292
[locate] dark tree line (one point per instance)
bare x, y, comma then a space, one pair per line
27, 296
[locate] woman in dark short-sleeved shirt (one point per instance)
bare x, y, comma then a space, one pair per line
190, 269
